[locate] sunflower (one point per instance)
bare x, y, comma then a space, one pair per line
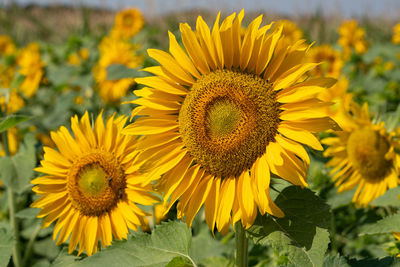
115, 51
13, 139
78, 57
11, 102
91, 188
332, 62
7, 46
352, 36
127, 23
363, 154
31, 67
220, 116
396, 34
290, 31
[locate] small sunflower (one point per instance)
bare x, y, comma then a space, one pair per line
115, 51
127, 23
396, 34
352, 36
363, 155
7, 46
220, 116
11, 102
31, 66
78, 57
291, 33
91, 188
332, 62
13, 139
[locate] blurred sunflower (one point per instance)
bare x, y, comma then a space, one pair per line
396, 34
363, 155
13, 139
78, 57
90, 187
291, 33
127, 23
115, 51
11, 102
351, 36
7, 46
218, 118
331, 61
31, 67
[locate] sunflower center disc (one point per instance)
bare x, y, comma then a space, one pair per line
227, 120
366, 149
96, 182
128, 20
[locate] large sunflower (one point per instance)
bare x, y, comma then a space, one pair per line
90, 187
363, 154
220, 116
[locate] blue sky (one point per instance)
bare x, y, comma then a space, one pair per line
346, 8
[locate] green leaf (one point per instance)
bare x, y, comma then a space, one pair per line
6, 246
11, 121
178, 262
335, 261
28, 213
337, 200
65, 260
217, 262
17, 171
168, 241
47, 247
390, 198
62, 75
386, 225
383, 262
119, 71
302, 234
204, 246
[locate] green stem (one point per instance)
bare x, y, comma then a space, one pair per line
29, 247
241, 246
14, 227
12, 209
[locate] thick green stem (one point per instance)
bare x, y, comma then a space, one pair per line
241, 246
14, 227
12, 209
29, 247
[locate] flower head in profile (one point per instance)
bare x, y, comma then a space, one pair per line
90, 188
352, 37
222, 113
115, 51
127, 23
363, 156
31, 67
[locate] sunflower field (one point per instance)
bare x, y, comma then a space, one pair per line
198, 139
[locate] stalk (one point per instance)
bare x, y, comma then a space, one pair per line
241, 257
12, 209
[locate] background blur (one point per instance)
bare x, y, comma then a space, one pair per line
29, 20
